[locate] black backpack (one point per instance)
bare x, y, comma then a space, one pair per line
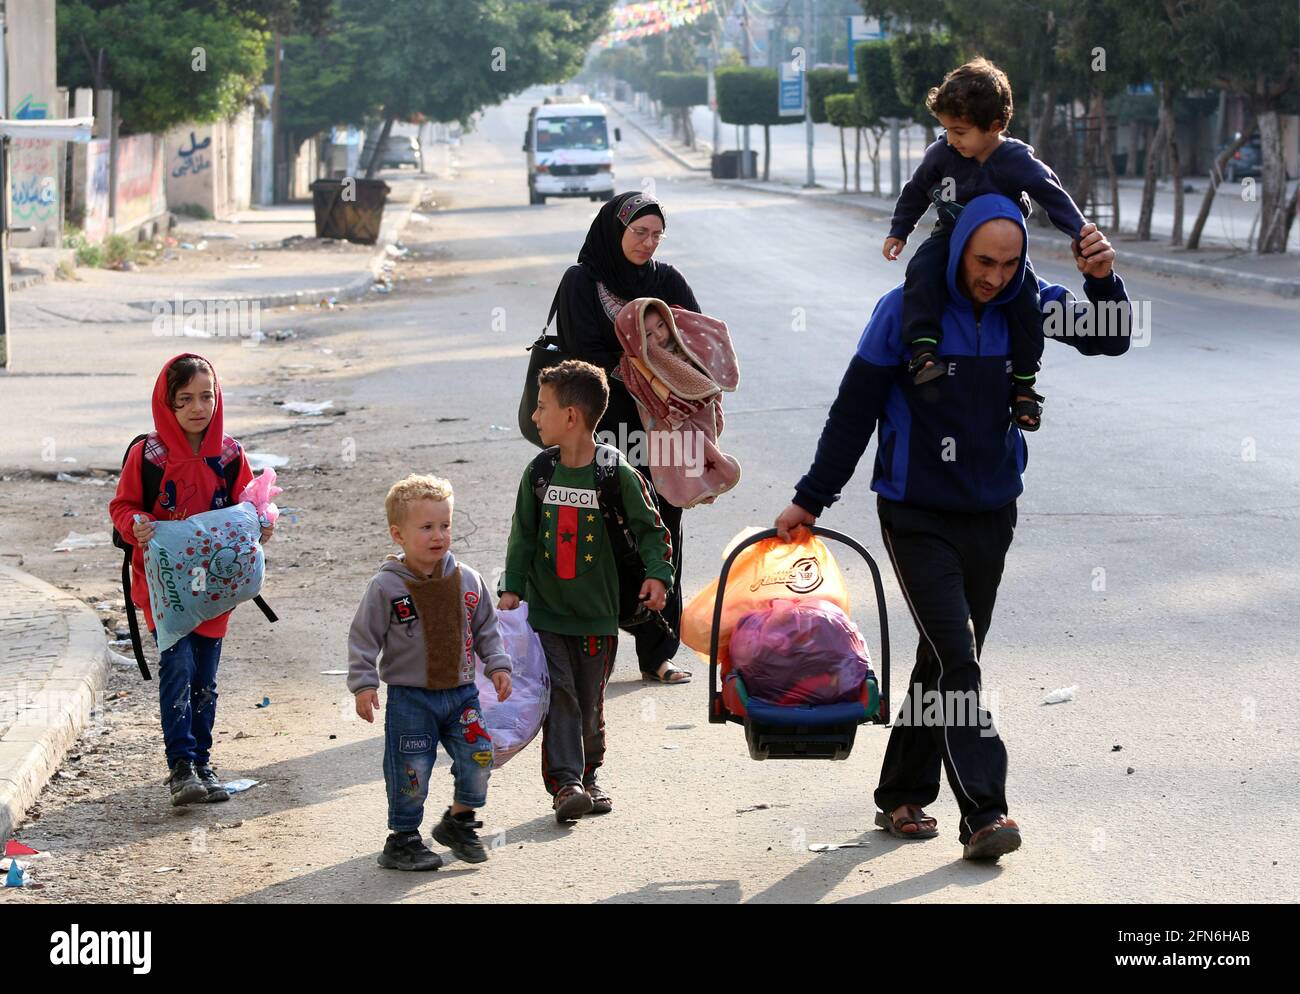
609, 496
151, 482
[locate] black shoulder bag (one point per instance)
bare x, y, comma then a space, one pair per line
542, 354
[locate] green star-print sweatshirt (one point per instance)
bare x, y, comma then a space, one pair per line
560, 560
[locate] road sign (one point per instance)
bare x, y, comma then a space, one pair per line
861, 29
791, 91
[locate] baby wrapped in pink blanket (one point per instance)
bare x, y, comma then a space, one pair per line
677, 364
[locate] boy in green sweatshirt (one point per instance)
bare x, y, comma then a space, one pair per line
563, 560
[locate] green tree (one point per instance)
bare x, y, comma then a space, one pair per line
821, 84
440, 59
679, 92
920, 59
749, 96
877, 85
1024, 39
844, 111
169, 62
1249, 47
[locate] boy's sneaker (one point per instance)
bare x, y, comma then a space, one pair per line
456, 832
571, 803
215, 788
405, 851
184, 785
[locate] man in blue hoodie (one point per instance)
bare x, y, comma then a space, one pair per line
947, 474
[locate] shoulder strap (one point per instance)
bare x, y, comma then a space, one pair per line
542, 469
151, 476
231, 474
132, 622
609, 489
609, 495
555, 306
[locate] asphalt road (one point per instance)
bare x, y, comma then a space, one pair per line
1153, 568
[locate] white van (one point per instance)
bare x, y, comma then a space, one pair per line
569, 152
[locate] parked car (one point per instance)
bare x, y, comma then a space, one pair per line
1246, 161
399, 150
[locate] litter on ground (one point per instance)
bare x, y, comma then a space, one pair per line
1061, 695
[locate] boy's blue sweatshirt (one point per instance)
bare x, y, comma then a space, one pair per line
1011, 169
950, 444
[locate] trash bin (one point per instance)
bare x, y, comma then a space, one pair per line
728, 165
349, 208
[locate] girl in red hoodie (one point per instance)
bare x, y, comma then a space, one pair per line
194, 455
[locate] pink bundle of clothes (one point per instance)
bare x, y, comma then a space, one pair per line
677, 364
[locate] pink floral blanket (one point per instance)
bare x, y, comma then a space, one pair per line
678, 388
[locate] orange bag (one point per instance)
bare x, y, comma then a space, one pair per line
768, 570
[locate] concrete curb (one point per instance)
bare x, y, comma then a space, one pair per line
1058, 247
395, 220
32, 749
659, 143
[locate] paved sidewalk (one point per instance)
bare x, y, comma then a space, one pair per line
53, 665
1216, 262
241, 259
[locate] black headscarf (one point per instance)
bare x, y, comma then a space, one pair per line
602, 253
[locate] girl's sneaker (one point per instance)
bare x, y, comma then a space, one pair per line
184, 784
405, 851
215, 788
456, 832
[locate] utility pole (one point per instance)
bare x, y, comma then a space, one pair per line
278, 159
744, 34
809, 45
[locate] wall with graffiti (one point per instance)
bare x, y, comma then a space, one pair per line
210, 165
35, 182
93, 198
35, 172
141, 194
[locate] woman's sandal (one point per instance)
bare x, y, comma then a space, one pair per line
992, 841
1027, 408
913, 815
601, 803
916, 367
669, 675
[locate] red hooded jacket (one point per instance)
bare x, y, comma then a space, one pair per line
191, 483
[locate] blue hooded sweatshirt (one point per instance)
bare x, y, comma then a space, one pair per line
950, 444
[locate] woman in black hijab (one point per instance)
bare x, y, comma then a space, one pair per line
616, 265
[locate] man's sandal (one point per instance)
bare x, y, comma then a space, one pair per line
916, 367
1027, 408
992, 841
601, 803
926, 826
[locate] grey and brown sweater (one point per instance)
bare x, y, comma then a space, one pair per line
417, 631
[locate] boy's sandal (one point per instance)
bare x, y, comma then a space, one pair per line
1027, 407
992, 841
571, 803
601, 803
926, 826
919, 372
670, 675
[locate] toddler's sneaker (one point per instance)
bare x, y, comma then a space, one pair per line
456, 832
405, 851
